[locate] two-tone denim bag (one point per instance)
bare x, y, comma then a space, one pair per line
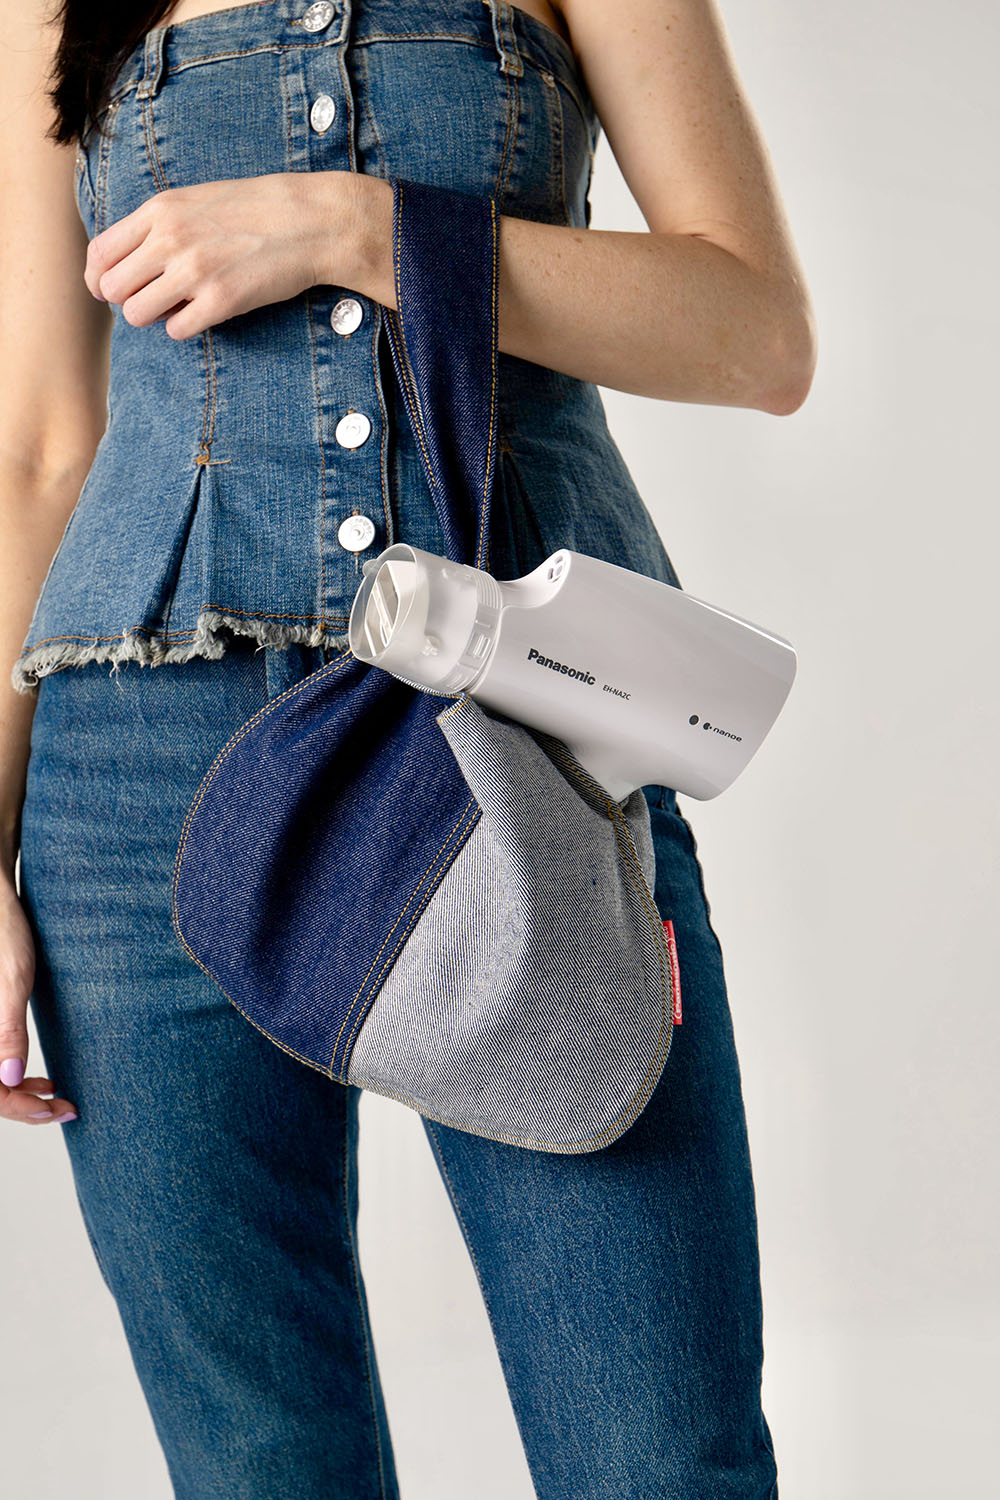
434, 902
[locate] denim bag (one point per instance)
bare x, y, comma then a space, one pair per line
436, 904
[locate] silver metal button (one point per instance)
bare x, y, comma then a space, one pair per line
352, 430
346, 315
318, 16
356, 533
322, 113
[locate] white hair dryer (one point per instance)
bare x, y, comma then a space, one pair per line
643, 683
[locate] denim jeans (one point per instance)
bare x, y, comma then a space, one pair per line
217, 1175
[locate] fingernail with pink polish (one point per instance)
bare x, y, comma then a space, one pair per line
67, 1116
42, 1114
11, 1071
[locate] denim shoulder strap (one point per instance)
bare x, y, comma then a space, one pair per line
443, 337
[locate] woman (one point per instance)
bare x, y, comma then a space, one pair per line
226, 480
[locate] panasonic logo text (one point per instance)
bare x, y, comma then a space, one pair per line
559, 666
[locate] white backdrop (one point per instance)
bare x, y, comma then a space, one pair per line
851, 869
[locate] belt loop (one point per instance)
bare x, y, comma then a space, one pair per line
503, 34
152, 64
346, 20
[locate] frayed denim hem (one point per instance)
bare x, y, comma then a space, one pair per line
209, 640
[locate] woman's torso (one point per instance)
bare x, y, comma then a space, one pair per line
226, 491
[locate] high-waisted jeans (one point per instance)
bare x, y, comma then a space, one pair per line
217, 1175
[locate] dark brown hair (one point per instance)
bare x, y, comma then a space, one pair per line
96, 36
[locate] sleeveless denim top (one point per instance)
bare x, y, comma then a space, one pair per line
246, 473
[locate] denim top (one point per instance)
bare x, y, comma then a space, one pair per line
221, 493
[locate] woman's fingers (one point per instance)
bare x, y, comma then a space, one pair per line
27, 1105
35, 1102
28, 1109
153, 302
114, 243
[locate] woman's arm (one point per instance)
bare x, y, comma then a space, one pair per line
53, 395
53, 368
710, 305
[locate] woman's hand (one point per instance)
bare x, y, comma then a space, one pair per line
20, 1098
200, 254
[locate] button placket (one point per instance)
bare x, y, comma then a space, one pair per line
352, 411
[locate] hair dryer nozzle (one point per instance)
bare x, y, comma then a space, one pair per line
428, 621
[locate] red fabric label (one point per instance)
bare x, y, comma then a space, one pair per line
675, 973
